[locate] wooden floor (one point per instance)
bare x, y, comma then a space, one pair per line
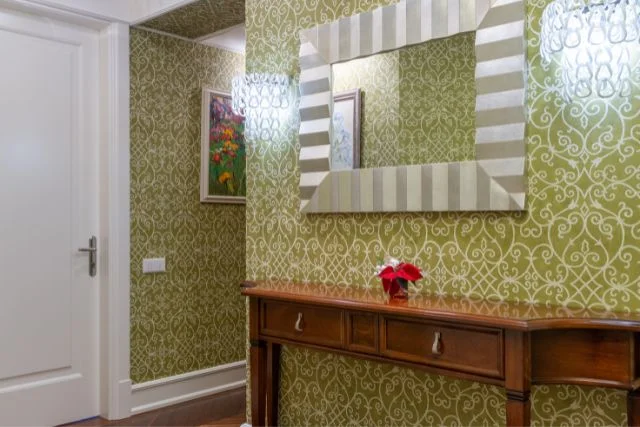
220, 410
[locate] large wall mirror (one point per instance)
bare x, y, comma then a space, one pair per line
443, 82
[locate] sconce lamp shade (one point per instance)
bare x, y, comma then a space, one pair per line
261, 99
595, 40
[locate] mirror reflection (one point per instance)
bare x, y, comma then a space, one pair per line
417, 103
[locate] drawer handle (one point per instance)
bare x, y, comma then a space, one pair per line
435, 349
298, 326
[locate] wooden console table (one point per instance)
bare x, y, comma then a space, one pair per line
507, 344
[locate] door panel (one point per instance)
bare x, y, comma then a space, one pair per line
35, 159
48, 192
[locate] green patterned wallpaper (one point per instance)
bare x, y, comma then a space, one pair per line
200, 18
327, 390
191, 317
576, 244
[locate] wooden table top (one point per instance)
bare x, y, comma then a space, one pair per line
511, 315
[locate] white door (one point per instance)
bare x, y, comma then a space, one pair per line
49, 73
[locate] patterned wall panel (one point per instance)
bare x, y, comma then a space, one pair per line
199, 18
576, 245
191, 317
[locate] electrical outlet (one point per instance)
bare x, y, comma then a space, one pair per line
153, 265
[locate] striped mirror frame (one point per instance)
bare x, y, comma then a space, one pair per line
495, 181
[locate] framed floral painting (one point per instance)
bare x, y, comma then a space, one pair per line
224, 159
345, 149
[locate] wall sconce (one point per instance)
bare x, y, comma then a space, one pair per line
593, 37
262, 99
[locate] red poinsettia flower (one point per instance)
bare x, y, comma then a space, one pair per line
395, 276
409, 272
404, 271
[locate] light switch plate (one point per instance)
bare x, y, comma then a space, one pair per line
153, 265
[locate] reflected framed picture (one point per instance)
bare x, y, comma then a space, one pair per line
345, 149
224, 156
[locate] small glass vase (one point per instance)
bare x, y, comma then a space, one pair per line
396, 288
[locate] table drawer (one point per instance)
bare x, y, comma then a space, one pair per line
462, 348
299, 322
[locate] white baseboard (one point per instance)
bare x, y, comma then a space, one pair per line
123, 409
192, 385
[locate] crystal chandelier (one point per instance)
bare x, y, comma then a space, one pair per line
262, 99
595, 39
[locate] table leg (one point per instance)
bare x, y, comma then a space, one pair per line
518, 409
273, 382
258, 354
518, 377
633, 408
258, 365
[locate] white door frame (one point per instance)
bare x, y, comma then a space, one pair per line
115, 393
114, 237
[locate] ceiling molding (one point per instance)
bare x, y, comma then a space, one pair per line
224, 47
204, 38
164, 33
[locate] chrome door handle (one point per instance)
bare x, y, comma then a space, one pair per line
298, 326
92, 250
435, 348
